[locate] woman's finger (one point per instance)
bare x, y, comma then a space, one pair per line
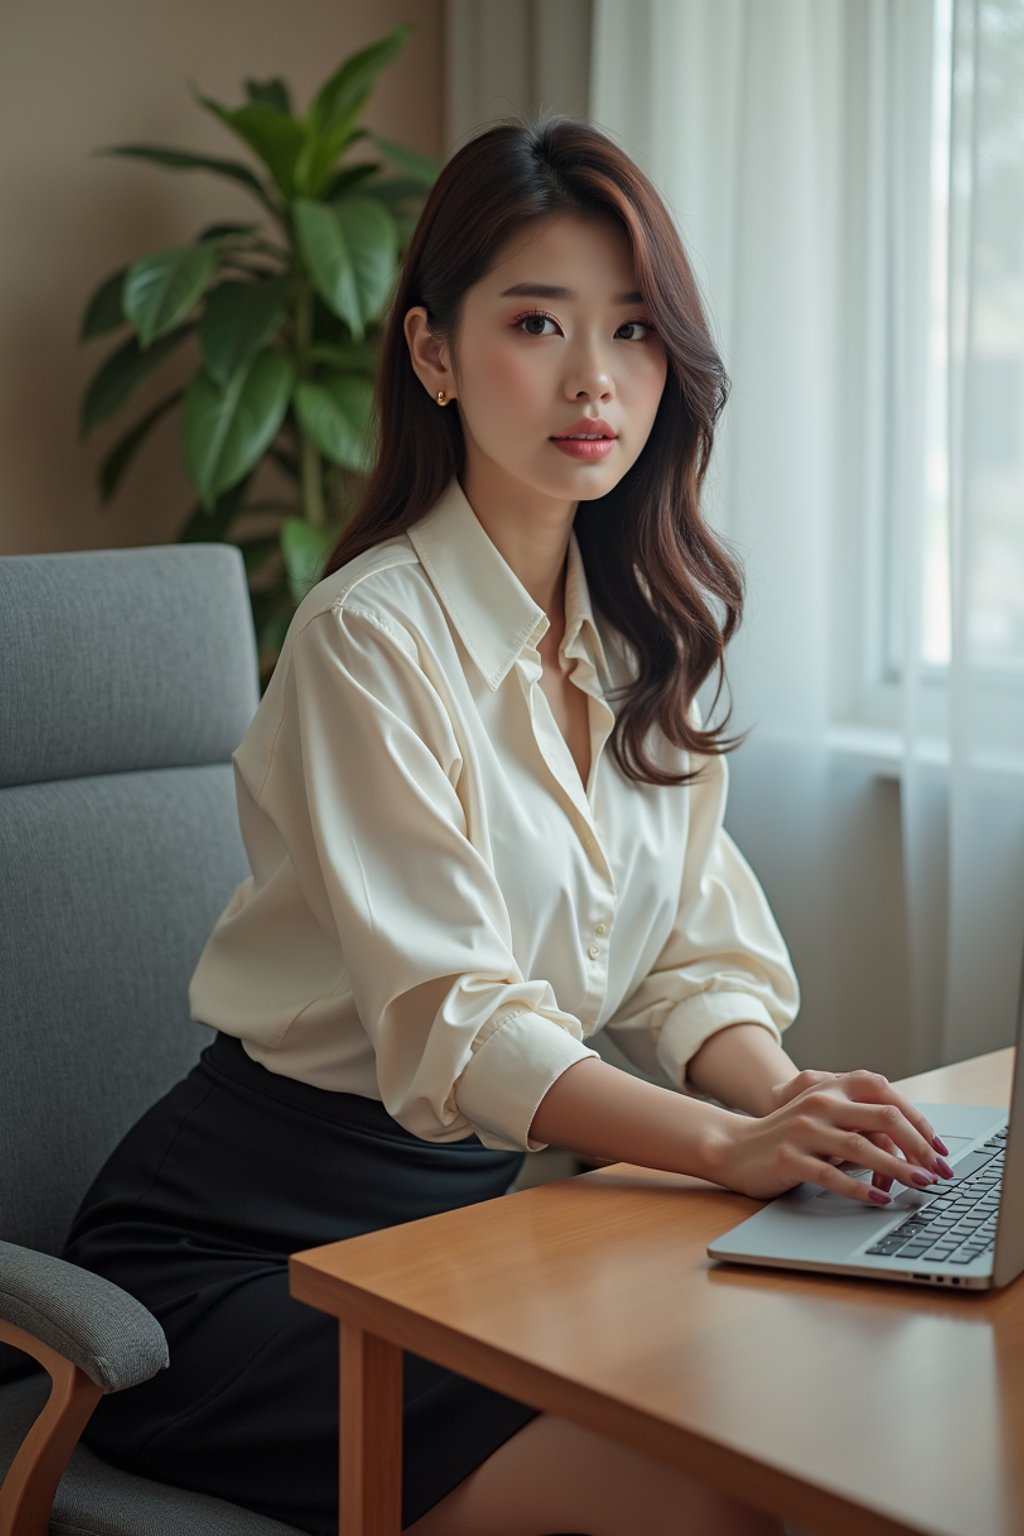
817, 1170
863, 1084
863, 1115
883, 1180
863, 1152
879, 1180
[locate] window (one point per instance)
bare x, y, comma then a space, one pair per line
994, 312
971, 606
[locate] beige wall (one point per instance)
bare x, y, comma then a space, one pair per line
76, 75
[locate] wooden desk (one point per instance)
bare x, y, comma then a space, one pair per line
828, 1401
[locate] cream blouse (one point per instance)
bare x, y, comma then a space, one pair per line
439, 916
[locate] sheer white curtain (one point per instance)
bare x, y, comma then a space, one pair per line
505, 56
869, 467
973, 511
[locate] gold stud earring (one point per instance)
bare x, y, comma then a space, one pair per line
442, 399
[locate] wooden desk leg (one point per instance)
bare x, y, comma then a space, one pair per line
370, 1471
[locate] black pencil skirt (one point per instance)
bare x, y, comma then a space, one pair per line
196, 1211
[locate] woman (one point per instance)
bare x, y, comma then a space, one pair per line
466, 862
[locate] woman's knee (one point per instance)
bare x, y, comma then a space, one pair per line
553, 1475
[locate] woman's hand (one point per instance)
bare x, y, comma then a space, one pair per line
783, 1092
824, 1119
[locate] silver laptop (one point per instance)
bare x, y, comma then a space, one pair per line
967, 1231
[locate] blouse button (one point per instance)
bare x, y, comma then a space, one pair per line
600, 927
593, 951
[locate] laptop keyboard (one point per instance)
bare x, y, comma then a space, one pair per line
959, 1224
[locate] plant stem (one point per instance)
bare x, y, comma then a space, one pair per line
309, 458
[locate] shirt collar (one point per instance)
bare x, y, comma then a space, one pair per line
491, 609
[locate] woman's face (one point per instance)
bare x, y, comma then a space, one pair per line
529, 365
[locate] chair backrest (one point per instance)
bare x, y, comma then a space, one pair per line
128, 678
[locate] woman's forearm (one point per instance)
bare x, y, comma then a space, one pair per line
739, 1065
600, 1111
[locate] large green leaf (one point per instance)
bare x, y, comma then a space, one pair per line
341, 98
184, 160
239, 318
274, 135
275, 91
405, 223
335, 413
327, 326
398, 190
331, 121
318, 157
256, 553
225, 231
161, 287
210, 525
346, 356
225, 431
121, 455
350, 249
347, 177
104, 311
305, 549
422, 169
120, 374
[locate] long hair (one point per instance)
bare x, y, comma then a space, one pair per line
654, 568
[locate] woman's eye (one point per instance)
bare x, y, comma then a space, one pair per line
644, 325
535, 316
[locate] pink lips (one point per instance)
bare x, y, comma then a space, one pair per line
591, 424
581, 448
577, 448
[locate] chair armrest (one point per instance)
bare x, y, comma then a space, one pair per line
91, 1337
84, 1317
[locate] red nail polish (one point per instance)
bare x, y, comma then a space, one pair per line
940, 1145
878, 1196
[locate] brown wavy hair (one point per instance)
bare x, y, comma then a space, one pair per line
654, 567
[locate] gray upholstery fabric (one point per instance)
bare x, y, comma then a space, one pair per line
110, 1335
94, 1499
120, 659
128, 679
109, 887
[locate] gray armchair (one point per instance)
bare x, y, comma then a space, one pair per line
128, 678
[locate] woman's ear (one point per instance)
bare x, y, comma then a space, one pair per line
428, 354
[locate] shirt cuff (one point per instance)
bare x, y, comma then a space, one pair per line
690, 1023
502, 1085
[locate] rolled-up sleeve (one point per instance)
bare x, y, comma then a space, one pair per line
369, 765
724, 961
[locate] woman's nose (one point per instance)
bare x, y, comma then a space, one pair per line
588, 370
591, 380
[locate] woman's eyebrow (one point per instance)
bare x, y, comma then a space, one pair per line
548, 291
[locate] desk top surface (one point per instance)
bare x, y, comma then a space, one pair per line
594, 1297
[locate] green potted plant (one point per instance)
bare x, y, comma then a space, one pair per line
286, 321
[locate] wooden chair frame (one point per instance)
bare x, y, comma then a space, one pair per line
28, 1491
